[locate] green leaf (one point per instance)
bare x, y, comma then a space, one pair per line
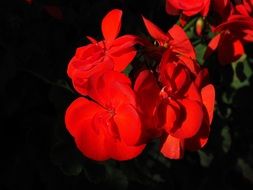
200, 51
128, 69
190, 32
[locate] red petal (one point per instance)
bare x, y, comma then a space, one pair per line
129, 124
205, 10
181, 42
239, 25
248, 5
200, 139
189, 8
90, 140
208, 97
155, 31
112, 89
122, 51
193, 93
221, 6
190, 120
172, 148
238, 49
147, 91
172, 114
202, 79
124, 42
147, 94
88, 61
111, 25
172, 7
80, 85
91, 39
230, 50
212, 46
190, 63
241, 9
189, 4
121, 62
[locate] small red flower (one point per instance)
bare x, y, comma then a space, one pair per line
233, 33
107, 126
112, 53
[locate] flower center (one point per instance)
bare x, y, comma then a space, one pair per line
167, 92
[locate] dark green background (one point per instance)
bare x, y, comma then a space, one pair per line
36, 150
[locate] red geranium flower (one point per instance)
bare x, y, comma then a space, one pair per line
107, 126
233, 33
112, 53
181, 111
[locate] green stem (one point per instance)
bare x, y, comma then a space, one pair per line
190, 23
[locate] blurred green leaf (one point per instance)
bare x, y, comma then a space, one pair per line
67, 158
95, 172
242, 73
227, 140
205, 159
116, 179
227, 97
246, 170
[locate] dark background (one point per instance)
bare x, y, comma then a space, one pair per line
36, 150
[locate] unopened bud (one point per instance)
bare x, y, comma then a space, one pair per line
199, 26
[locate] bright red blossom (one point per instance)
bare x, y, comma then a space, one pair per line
172, 101
109, 126
181, 109
112, 53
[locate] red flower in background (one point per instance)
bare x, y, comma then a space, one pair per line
220, 11
245, 7
112, 53
187, 7
180, 106
107, 126
233, 33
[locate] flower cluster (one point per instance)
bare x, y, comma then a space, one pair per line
167, 96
